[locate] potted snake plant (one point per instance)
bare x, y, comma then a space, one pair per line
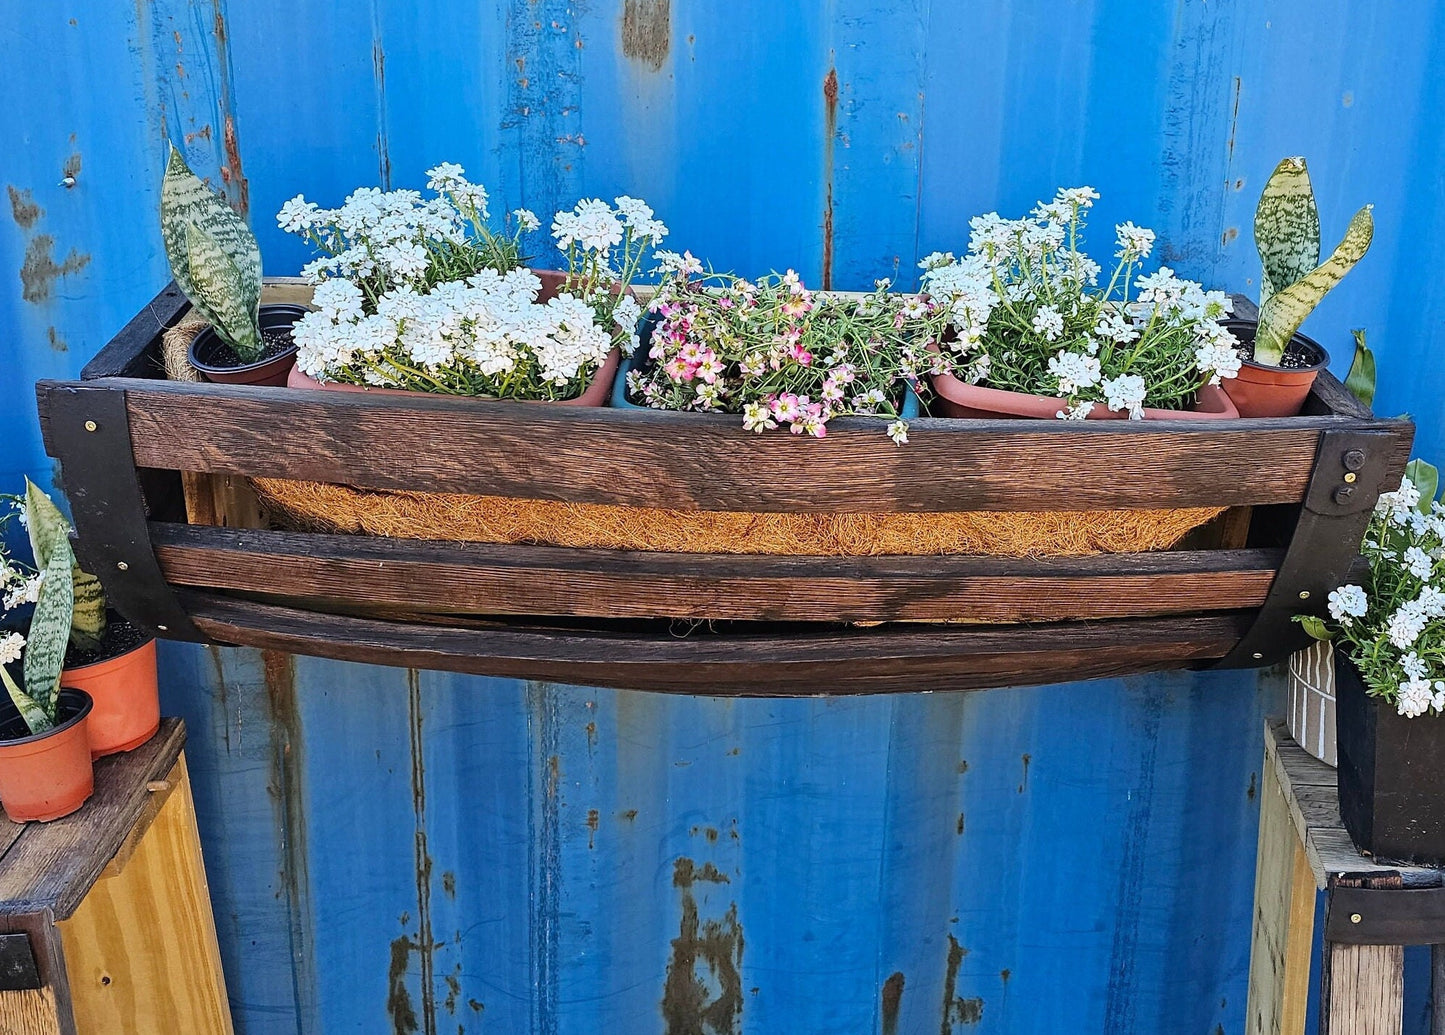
1282, 364
216, 262
45, 762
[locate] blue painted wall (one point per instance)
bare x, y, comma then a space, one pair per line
395, 851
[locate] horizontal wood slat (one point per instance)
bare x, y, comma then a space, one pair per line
888, 659
703, 461
479, 578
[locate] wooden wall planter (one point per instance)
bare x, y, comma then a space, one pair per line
757, 624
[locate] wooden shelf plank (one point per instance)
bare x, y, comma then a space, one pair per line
883, 659
480, 578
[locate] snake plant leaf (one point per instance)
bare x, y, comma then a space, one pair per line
225, 292
185, 199
1361, 381
1315, 627
1426, 478
1287, 308
1286, 228
47, 527
50, 630
30, 711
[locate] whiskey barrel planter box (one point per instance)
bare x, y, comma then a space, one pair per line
699, 623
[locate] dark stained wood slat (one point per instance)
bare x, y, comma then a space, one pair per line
887, 659
479, 578
51, 866
131, 352
703, 461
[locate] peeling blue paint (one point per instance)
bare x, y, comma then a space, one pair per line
1074, 857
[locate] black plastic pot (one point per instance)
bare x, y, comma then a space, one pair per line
215, 359
1391, 774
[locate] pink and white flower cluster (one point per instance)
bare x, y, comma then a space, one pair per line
779, 354
1027, 315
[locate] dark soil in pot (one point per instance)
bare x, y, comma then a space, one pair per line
119, 638
218, 362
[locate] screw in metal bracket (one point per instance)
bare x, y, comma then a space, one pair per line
1353, 459
1304, 594
90, 425
1258, 655
1343, 494
122, 566
1355, 918
1350, 477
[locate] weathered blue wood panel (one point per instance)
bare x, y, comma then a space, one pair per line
425, 852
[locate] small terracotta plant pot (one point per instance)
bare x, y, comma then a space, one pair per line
958, 398
595, 394
44, 776
127, 710
212, 357
1264, 391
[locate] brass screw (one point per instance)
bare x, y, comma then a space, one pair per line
163, 628
1350, 477
122, 565
1304, 594
90, 425
1355, 918
1257, 655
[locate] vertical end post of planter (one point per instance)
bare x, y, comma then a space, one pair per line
1353, 465
87, 429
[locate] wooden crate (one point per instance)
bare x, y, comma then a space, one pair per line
754, 624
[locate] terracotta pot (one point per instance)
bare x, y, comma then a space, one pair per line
958, 398
596, 393
206, 349
47, 775
1263, 391
127, 709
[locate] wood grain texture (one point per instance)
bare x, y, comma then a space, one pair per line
1284, 912
141, 949
31, 1011
883, 659
1364, 990
52, 865
702, 461
479, 578
1310, 788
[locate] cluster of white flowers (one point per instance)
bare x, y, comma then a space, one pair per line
489, 323
420, 293
1394, 628
1026, 300
393, 239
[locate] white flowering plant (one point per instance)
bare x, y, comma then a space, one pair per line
1393, 627
69, 608
1027, 315
779, 354
425, 296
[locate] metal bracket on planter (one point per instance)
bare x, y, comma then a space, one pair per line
88, 431
1385, 916
1351, 467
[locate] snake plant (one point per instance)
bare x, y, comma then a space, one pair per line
69, 609
1287, 233
214, 258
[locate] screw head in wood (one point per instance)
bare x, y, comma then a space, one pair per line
1355, 918
121, 565
1354, 459
1350, 476
90, 425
